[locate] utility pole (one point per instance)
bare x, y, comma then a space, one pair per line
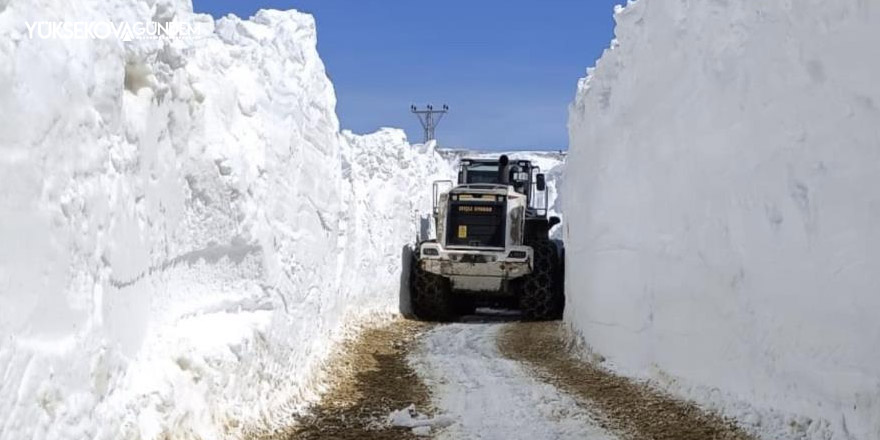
426, 117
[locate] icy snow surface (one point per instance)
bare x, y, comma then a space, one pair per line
724, 219
184, 229
488, 396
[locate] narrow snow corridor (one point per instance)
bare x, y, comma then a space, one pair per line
194, 244
491, 397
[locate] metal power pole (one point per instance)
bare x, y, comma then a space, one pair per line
426, 117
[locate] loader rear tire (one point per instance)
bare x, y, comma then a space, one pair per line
542, 296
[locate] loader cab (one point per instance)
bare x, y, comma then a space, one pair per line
525, 178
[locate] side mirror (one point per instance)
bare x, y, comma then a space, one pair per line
555, 221
541, 182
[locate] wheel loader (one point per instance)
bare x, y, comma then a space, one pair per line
492, 245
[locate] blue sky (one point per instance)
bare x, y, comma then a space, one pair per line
507, 69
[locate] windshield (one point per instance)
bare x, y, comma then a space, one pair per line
482, 173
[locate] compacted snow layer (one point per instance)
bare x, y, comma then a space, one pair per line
724, 219
488, 396
184, 229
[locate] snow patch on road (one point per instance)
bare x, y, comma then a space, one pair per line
723, 221
491, 397
421, 424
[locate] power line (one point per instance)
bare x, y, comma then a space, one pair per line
426, 117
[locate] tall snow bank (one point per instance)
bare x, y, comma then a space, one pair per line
724, 219
184, 230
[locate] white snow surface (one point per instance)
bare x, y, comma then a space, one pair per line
418, 423
184, 228
488, 396
723, 232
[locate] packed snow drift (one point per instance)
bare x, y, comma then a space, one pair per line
185, 230
724, 219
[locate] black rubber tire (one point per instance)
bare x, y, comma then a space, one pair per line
430, 295
541, 297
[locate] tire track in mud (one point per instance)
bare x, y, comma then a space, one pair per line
634, 410
371, 378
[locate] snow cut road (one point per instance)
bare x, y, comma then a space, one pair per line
492, 397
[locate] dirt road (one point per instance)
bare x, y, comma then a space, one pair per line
491, 377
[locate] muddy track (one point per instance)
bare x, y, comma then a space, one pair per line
372, 379
633, 410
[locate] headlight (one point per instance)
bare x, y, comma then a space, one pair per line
430, 252
517, 255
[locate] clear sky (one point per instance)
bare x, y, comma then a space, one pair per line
507, 69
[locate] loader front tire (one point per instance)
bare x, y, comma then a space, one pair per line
541, 297
430, 294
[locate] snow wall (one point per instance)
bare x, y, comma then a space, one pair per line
184, 228
724, 223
